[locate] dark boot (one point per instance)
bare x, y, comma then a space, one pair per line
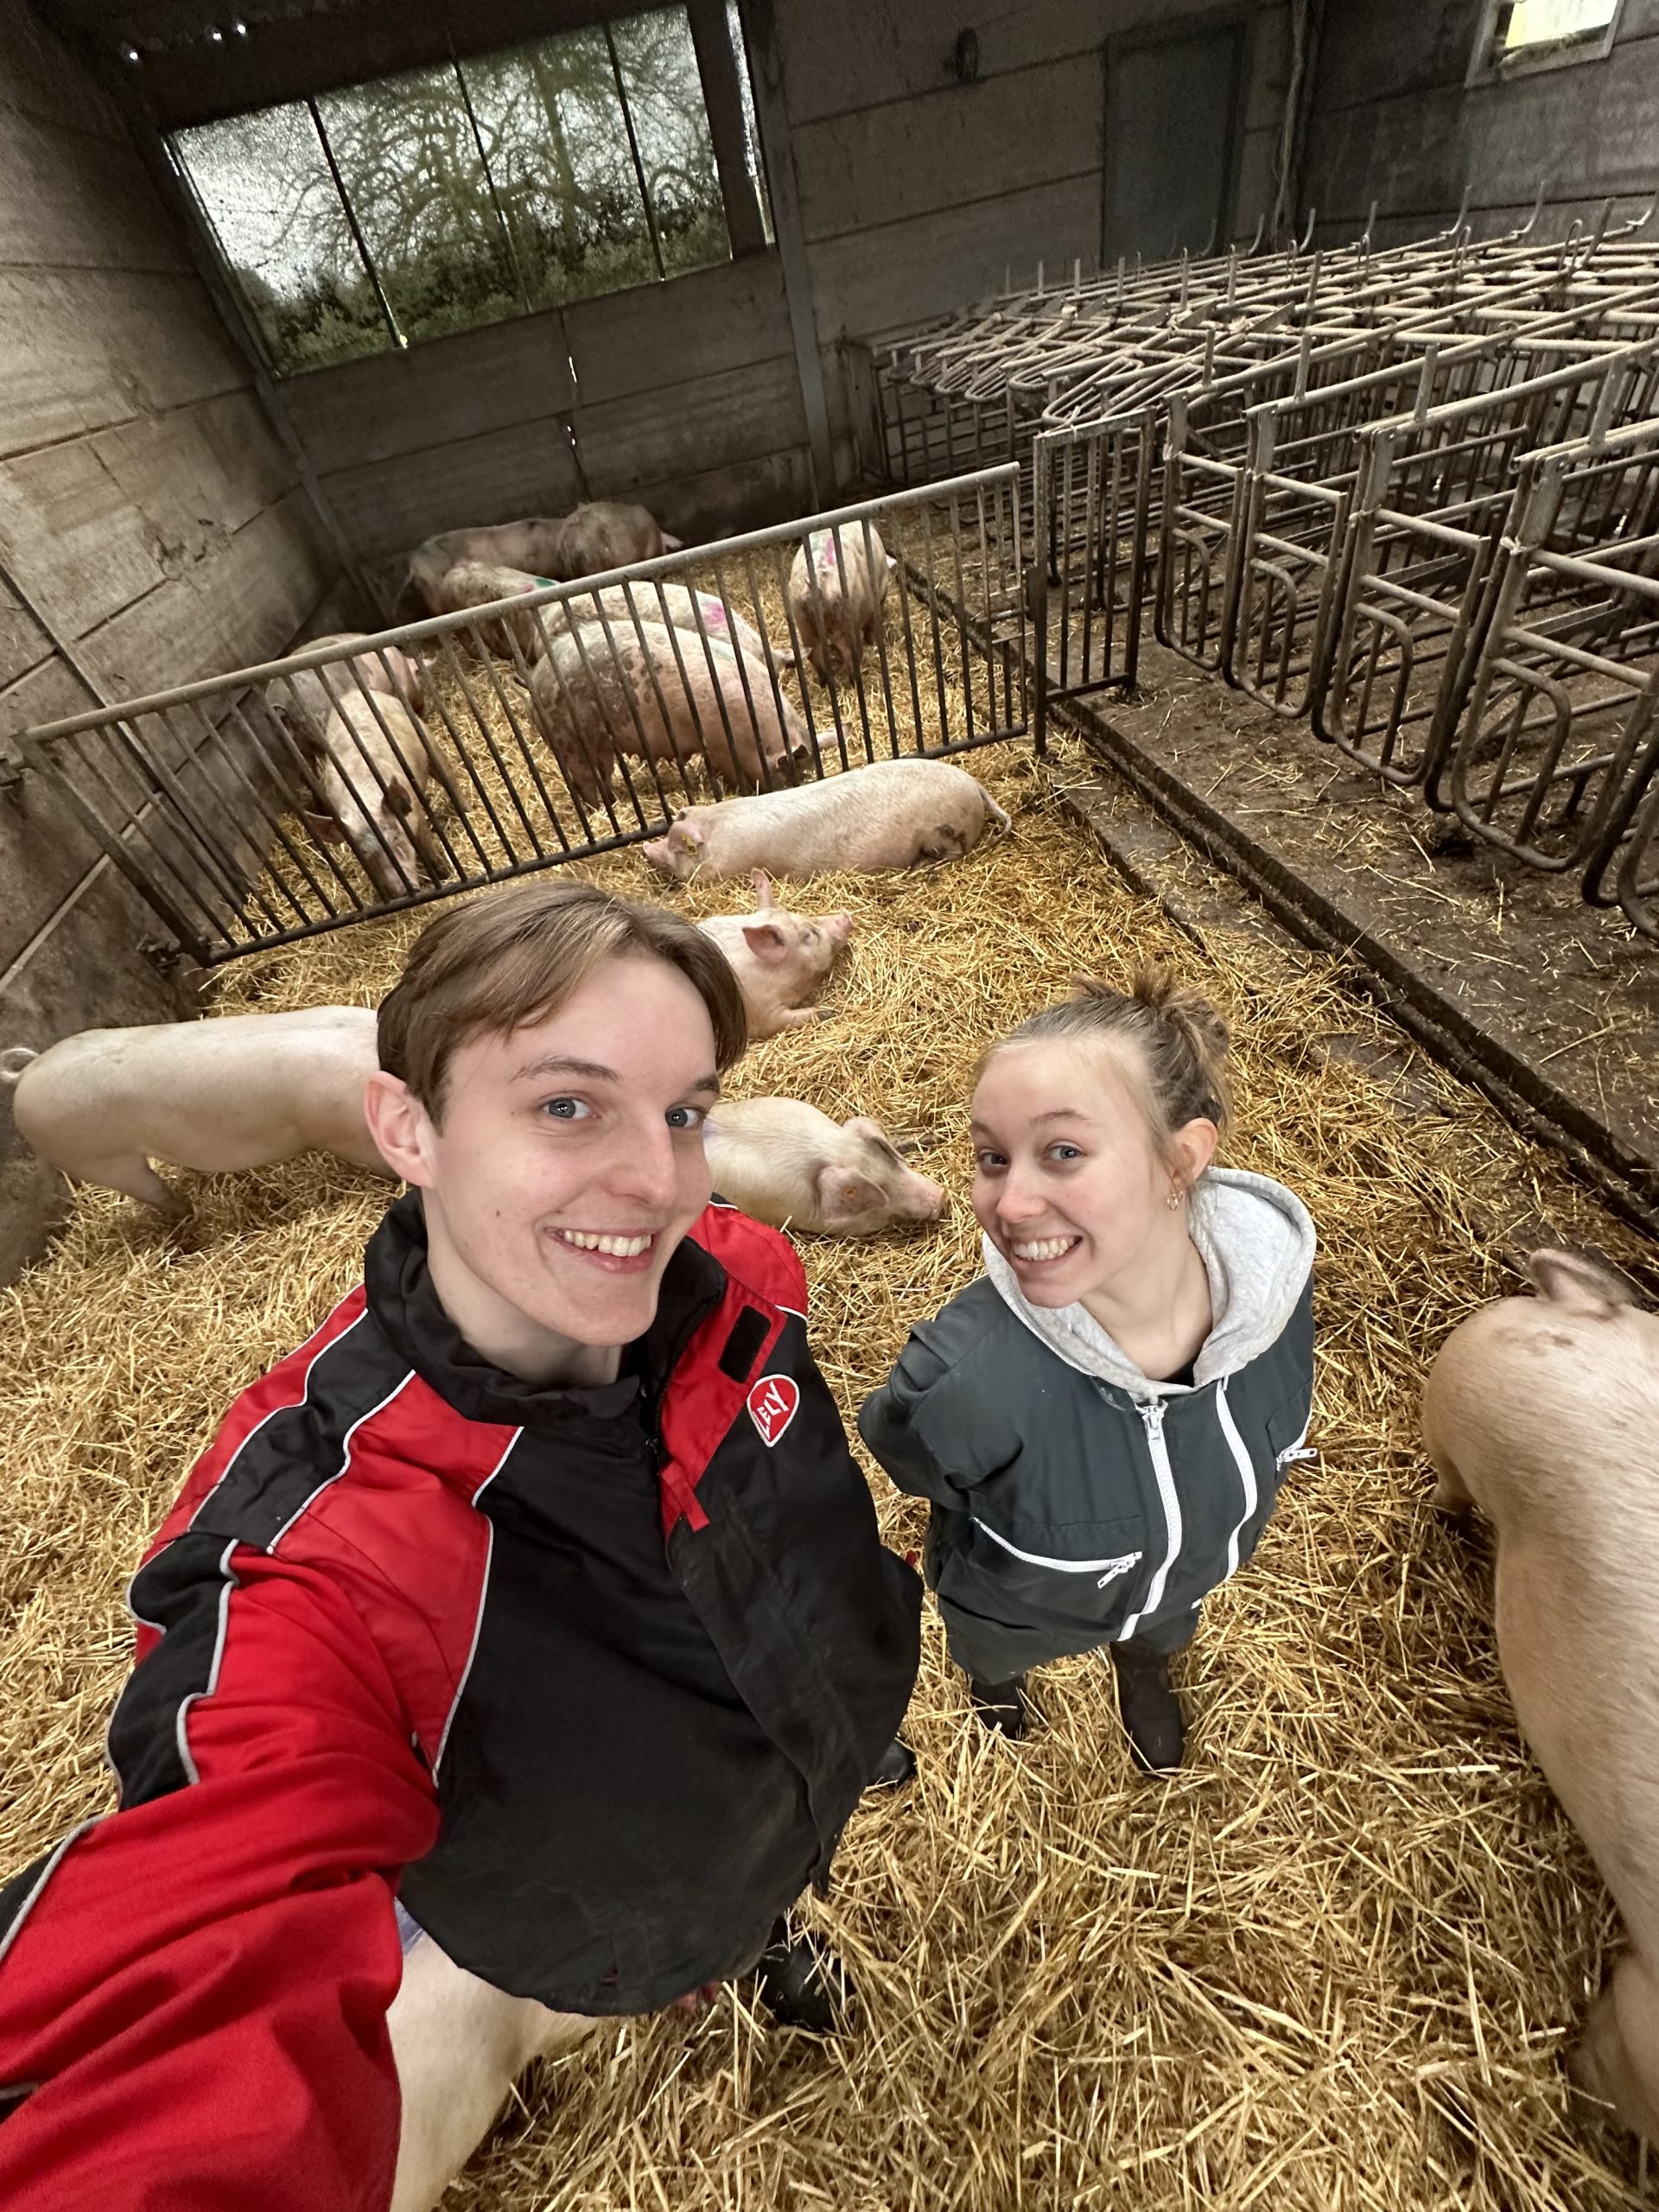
1148, 1707
802, 1983
999, 1706
895, 1767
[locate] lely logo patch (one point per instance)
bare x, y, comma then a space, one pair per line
773, 1403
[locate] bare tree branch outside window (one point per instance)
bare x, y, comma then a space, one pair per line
467, 193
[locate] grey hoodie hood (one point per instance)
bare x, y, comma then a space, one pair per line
1256, 1241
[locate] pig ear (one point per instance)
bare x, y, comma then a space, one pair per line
1579, 1285
765, 940
690, 833
843, 1194
762, 883
862, 1126
324, 825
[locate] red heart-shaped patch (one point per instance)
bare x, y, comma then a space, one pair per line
773, 1403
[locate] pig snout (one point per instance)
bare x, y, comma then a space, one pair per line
919, 1199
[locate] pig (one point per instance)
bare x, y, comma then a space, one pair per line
306, 699
785, 1162
836, 585
531, 545
624, 605
243, 1091
781, 959
378, 761
481, 583
893, 814
1544, 1412
661, 694
607, 534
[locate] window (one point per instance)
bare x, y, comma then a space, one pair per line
1517, 36
465, 193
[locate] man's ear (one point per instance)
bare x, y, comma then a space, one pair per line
765, 940
400, 1126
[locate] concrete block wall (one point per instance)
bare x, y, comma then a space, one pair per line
1393, 121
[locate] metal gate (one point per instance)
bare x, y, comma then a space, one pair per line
258, 808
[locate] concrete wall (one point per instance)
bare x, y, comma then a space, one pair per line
150, 521
1393, 121
684, 395
917, 195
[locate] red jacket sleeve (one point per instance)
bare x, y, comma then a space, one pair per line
193, 1990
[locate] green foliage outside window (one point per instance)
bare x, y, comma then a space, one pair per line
461, 194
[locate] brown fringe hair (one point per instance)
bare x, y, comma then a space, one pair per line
514, 957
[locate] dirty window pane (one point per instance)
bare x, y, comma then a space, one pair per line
556, 141
409, 164
573, 165
263, 185
658, 68
1542, 22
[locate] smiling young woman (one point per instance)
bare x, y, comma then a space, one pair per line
1103, 1421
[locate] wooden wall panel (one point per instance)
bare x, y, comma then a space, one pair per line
476, 382
149, 514
388, 506
87, 348
659, 386
652, 339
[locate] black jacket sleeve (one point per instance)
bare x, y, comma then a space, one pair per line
897, 1422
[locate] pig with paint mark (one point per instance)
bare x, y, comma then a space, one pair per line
241, 1090
781, 959
837, 582
893, 814
377, 759
654, 693
1544, 1412
784, 1163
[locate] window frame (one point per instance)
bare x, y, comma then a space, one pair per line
743, 192
1487, 65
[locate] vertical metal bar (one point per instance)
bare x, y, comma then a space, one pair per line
358, 239
634, 150
495, 197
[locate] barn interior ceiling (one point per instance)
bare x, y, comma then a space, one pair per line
191, 60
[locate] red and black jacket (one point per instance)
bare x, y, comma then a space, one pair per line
592, 1677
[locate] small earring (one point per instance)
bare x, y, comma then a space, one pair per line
1174, 1198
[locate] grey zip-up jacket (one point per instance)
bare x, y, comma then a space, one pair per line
1075, 1502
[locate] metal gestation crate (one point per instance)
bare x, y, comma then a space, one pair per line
1436, 492
1557, 746
262, 807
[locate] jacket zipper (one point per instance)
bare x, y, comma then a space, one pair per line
1152, 1420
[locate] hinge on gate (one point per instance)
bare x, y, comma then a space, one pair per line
11, 775
162, 955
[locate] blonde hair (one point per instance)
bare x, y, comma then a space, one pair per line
514, 957
1170, 1040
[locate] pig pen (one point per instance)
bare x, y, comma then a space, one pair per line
1331, 1964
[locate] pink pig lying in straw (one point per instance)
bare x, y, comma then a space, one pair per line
781, 959
893, 814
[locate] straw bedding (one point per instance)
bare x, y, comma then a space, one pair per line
1331, 1965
